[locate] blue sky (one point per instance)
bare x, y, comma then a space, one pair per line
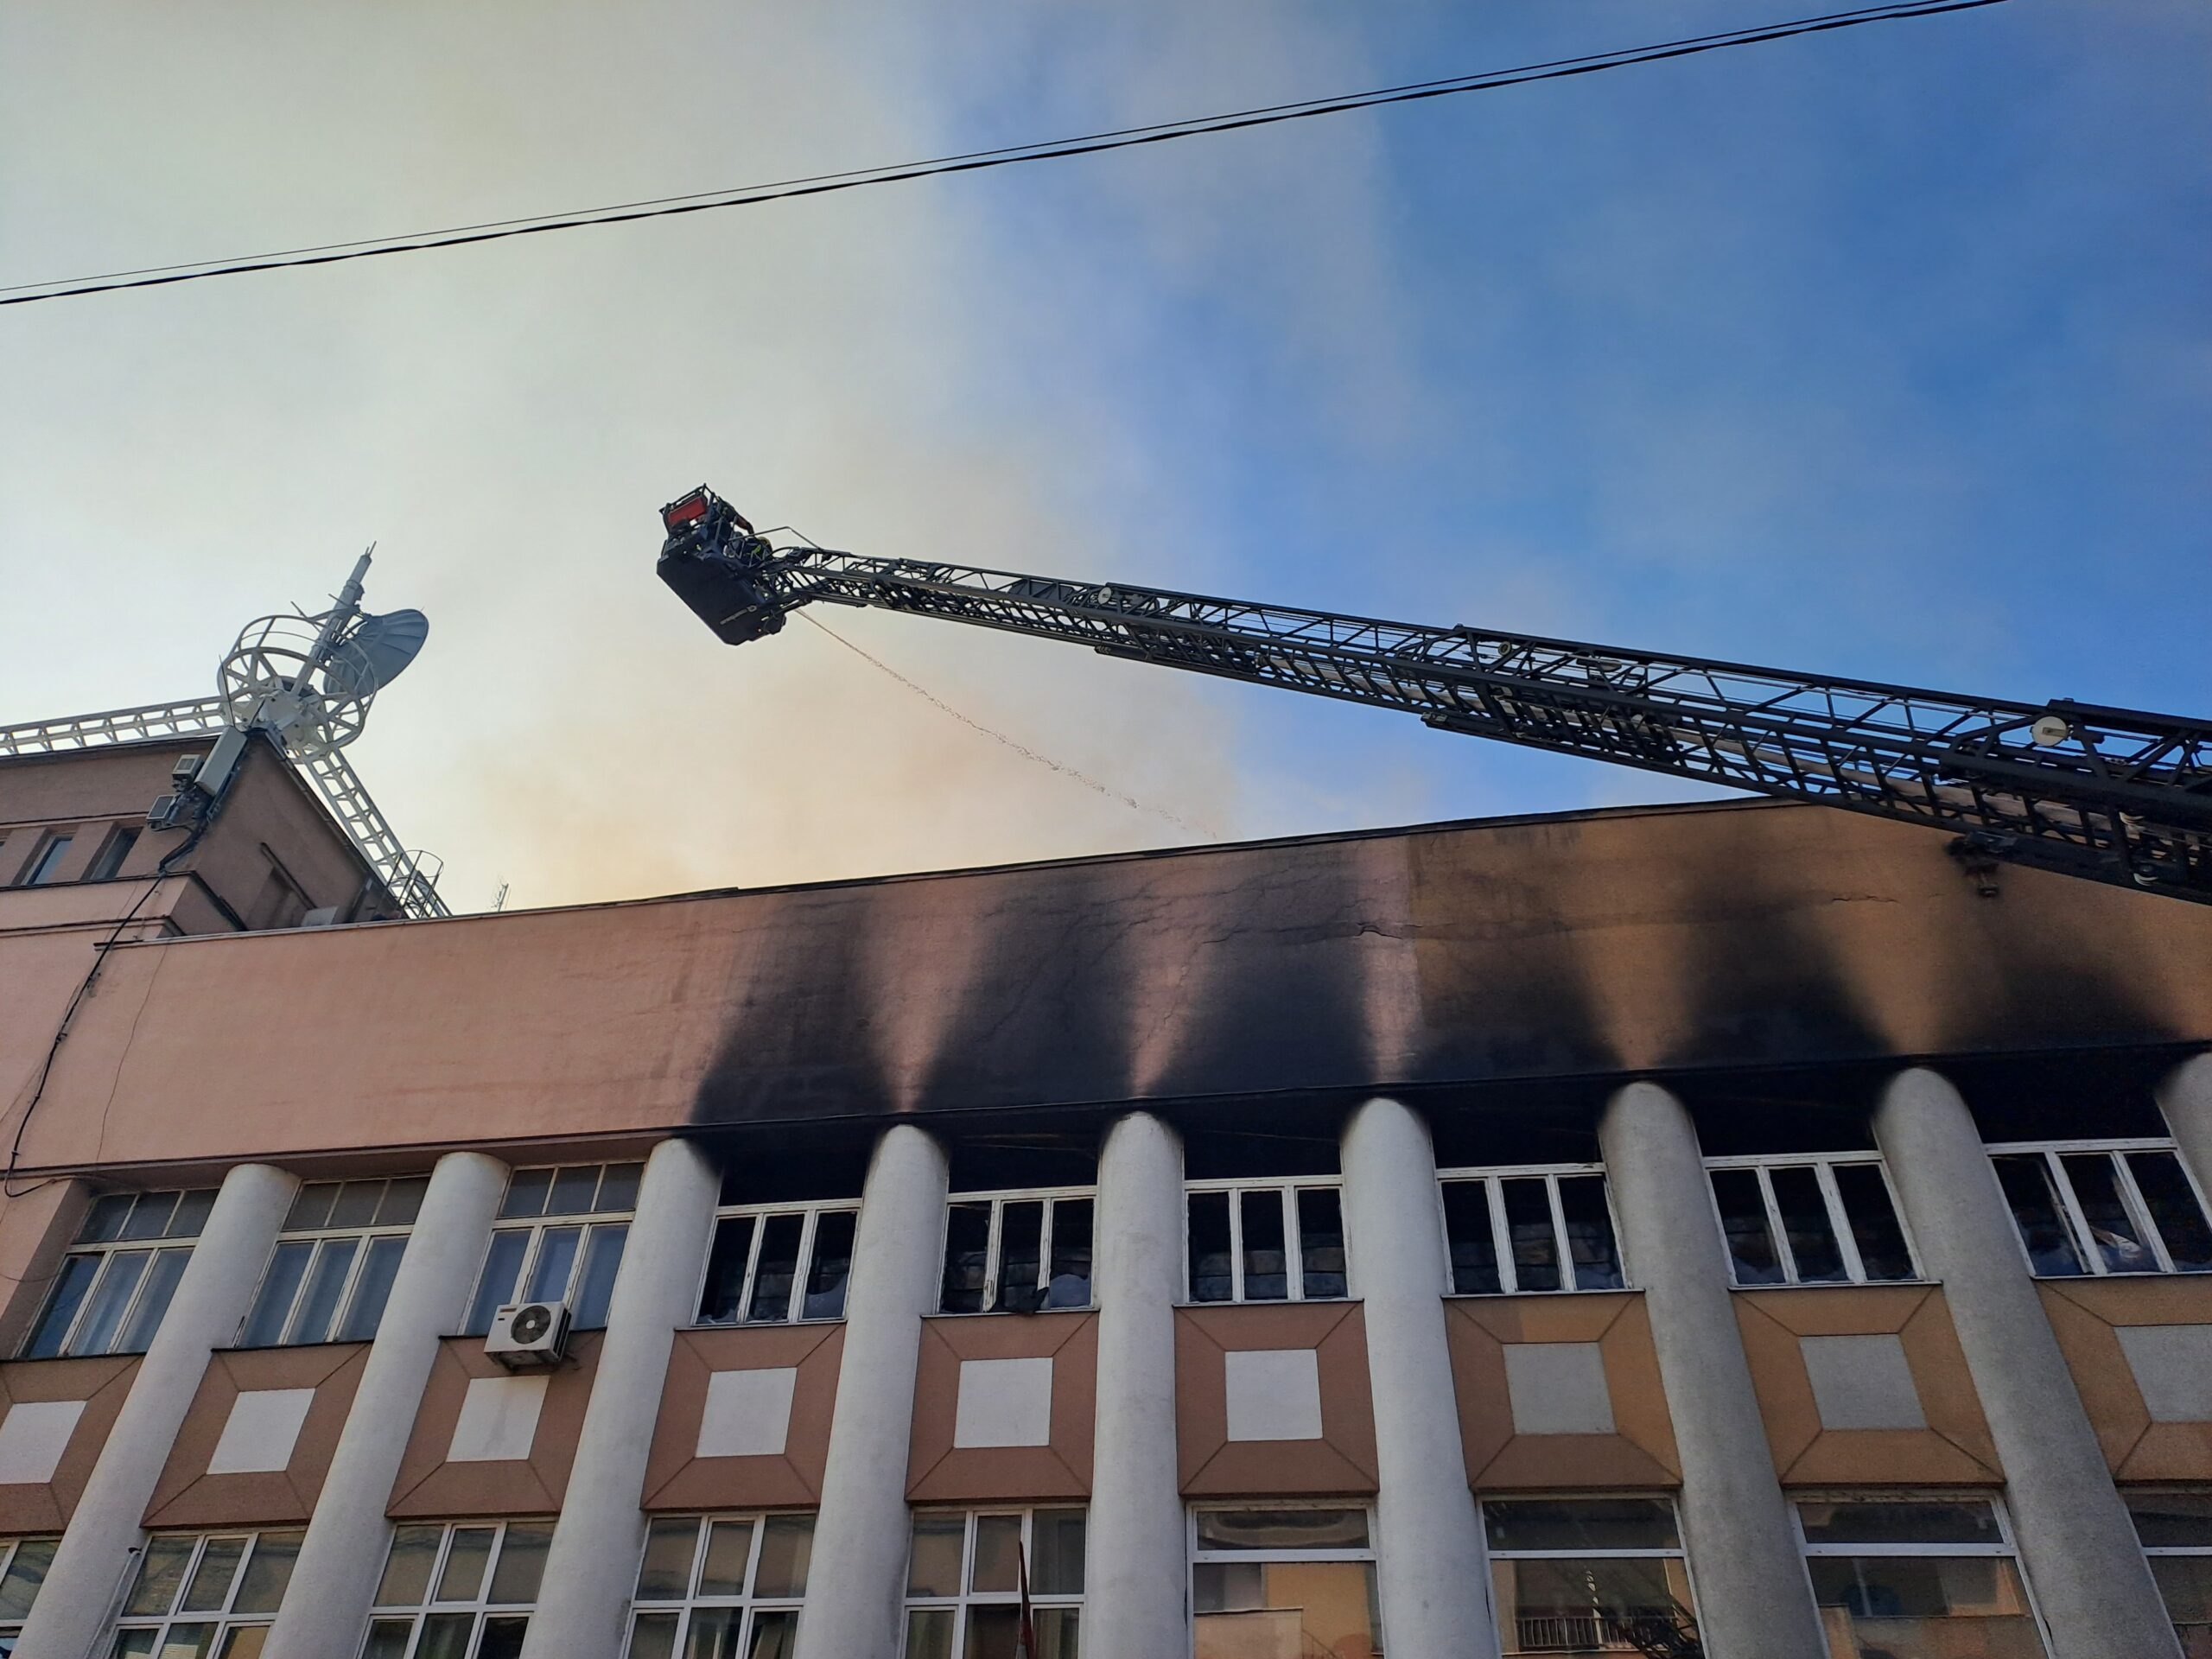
1883, 353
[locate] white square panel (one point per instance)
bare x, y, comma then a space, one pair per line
261, 1431
32, 1436
748, 1415
498, 1420
1275, 1394
1558, 1387
2173, 1367
1004, 1402
1862, 1382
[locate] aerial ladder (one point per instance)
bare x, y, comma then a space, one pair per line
2113, 795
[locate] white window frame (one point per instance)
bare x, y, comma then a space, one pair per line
760, 1214
224, 1621
421, 1612
1501, 1238
106, 1249
966, 1599
10, 1549
2131, 1196
1676, 1551
998, 1201
1293, 1240
1195, 1557
693, 1601
584, 1225
1823, 1166
320, 1237
2007, 1549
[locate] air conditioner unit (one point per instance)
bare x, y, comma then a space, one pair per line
529, 1333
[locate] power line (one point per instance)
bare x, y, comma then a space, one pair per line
331, 253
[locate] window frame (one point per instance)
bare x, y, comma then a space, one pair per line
46, 854
1679, 1551
11, 1548
223, 1622
1294, 1241
1823, 1166
105, 1250
998, 1199
2007, 1549
2079, 1234
480, 1607
966, 1597
320, 1237
758, 1214
1502, 1238
749, 1604
587, 1222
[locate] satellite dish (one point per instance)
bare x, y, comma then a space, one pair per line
307, 681
375, 653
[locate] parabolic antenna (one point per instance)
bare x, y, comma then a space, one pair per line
375, 653
309, 680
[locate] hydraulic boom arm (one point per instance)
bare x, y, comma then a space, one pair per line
2111, 794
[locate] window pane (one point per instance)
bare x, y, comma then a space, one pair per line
372, 1289
1805, 1222
993, 1633
264, 1326
1282, 1529
2172, 1518
522, 1563
1528, 1234
967, 1235
445, 1636
26, 1573
998, 1541
928, 1633
2049, 1241
406, 1580
333, 1260
1751, 1256
150, 1214
778, 1272
48, 860
1321, 1241
2174, 1209
1964, 1520
68, 1296
1925, 1603
357, 1204
502, 1638
1873, 1221
1209, 1263
832, 1265
1566, 1605
1590, 1232
2185, 1584
553, 1266
1069, 1284
653, 1635
595, 1285
401, 1201
665, 1573
245, 1642
1059, 1632
1467, 1232
1267, 1264
311, 1208
211, 1580
188, 1641
729, 1551
470, 1553
133, 1644
573, 1189
526, 1191
153, 1301
497, 1286
1021, 1263
2096, 1186
933, 1566
1056, 1538
268, 1571
775, 1636
1315, 1610
786, 1547
618, 1189
388, 1638
104, 1220
713, 1634
1565, 1524
161, 1575
726, 1262
110, 1298
191, 1213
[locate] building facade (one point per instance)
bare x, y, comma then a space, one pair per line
1715, 1230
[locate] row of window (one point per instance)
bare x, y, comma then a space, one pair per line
1582, 1575
42, 865
2119, 1208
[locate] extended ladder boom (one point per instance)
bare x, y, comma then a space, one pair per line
2112, 794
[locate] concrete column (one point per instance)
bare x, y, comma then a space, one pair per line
2078, 1546
342, 1555
2185, 1097
592, 1567
211, 1299
854, 1595
1433, 1585
1755, 1600
1136, 1581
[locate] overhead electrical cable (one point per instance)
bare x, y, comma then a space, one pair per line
331, 253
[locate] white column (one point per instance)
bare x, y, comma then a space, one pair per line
211, 1299
2078, 1546
592, 1567
2185, 1097
854, 1592
1754, 1599
1433, 1588
1136, 1583
342, 1555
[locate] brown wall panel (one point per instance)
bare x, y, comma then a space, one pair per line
1954, 1450
1640, 1453
430, 1488
2083, 1314
36, 1227
102, 1384
187, 1496
677, 1478
1340, 1464
940, 1472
